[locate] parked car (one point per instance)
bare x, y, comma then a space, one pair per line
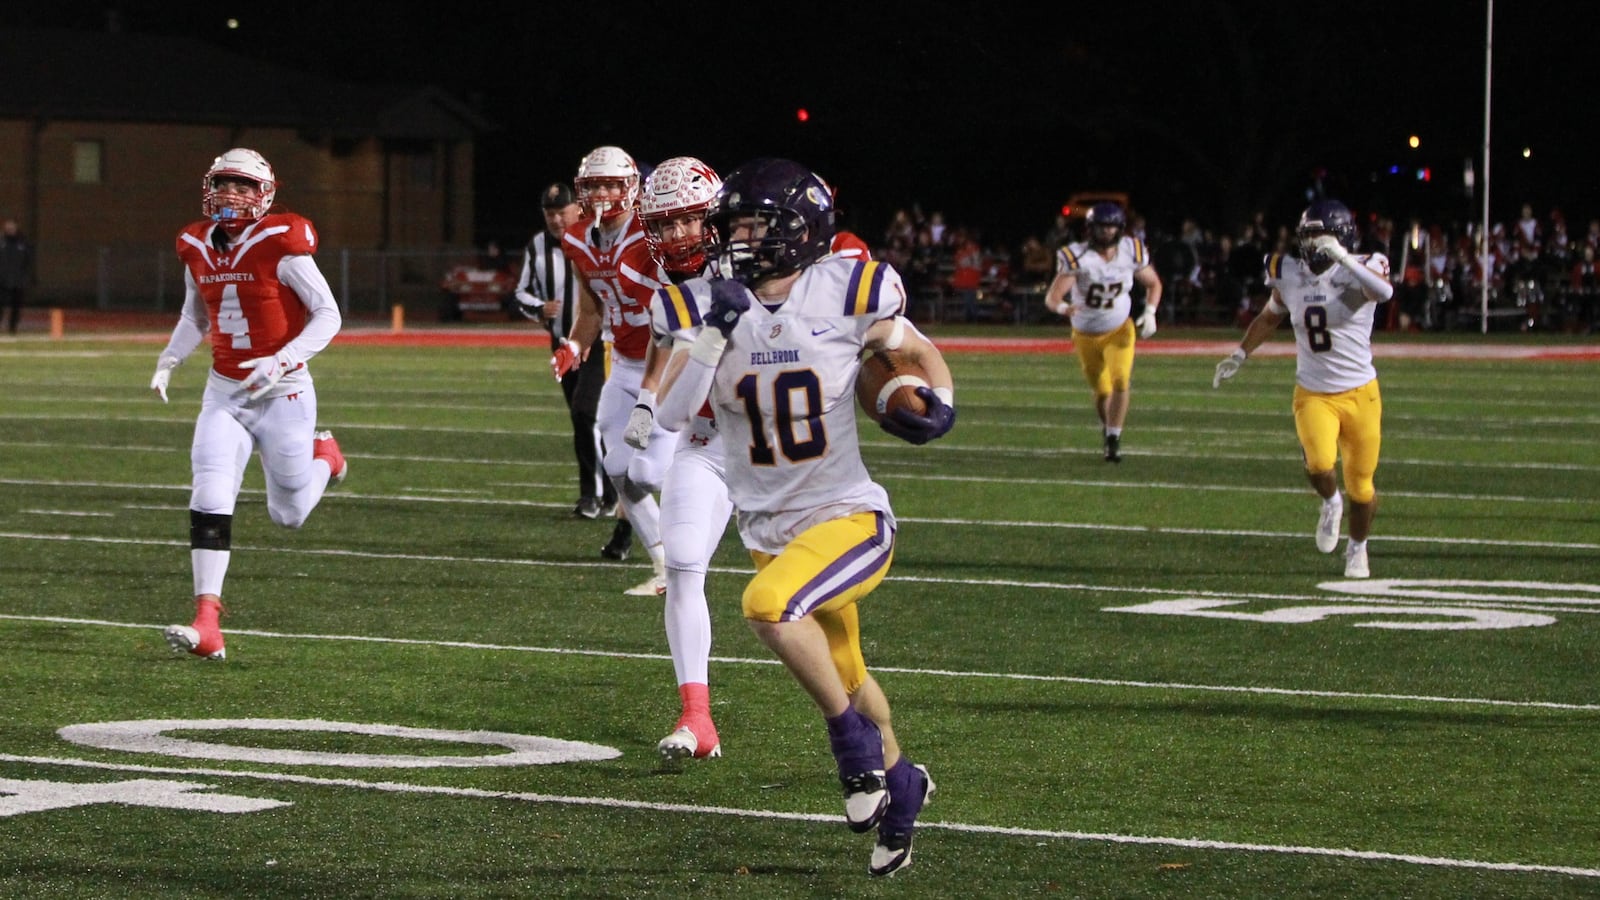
472, 289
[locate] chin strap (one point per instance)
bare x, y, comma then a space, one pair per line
219, 239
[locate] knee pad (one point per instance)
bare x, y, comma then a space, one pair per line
210, 531
762, 601
628, 488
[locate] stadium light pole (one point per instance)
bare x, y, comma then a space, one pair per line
1483, 234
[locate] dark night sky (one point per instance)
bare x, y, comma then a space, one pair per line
1197, 107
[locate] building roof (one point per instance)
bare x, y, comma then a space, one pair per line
54, 73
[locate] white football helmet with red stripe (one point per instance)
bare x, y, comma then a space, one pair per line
681, 186
607, 183
239, 163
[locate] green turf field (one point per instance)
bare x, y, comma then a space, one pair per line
1128, 681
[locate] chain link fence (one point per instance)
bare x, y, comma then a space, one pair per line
368, 283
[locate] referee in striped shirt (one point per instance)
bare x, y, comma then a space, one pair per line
547, 292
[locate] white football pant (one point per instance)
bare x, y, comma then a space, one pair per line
694, 514
645, 468
230, 428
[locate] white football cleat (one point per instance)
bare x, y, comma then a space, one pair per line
1328, 523
186, 639
866, 796
683, 744
1355, 561
656, 586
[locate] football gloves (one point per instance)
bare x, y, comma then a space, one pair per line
640, 423
729, 301
1228, 367
567, 357
1329, 246
164, 367
266, 372
914, 429
1147, 322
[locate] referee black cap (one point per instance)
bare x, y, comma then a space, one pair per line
556, 196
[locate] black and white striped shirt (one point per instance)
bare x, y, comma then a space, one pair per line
546, 275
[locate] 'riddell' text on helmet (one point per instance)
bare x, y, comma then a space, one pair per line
771, 218
681, 186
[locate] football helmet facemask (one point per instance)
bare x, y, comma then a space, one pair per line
680, 186
239, 163
1106, 222
771, 218
1324, 217
607, 183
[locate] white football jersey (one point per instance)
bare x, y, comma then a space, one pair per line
1101, 290
784, 397
1332, 321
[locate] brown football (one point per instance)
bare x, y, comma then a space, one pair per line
889, 380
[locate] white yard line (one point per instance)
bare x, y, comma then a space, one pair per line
829, 819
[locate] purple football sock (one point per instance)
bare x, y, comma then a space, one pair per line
857, 745
907, 789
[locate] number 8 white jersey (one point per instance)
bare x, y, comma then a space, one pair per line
1332, 320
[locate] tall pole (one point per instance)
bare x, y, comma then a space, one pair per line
1485, 259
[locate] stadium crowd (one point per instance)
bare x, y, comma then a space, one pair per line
1542, 276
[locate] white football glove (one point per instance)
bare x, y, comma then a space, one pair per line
640, 422
266, 371
158, 381
1147, 322
1329, 246
1228, 367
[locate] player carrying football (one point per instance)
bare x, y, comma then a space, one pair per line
777, 343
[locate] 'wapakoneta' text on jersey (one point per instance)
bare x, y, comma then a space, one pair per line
784, 396
1332, 321
1101, 291
252, 312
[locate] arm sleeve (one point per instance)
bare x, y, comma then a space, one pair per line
300, 273
192, 323
1372, 273
682, 396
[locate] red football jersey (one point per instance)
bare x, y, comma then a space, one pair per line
624, 278
252, 313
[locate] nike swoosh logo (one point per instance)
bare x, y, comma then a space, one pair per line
817, 331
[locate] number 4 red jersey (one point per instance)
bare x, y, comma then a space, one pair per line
252, 312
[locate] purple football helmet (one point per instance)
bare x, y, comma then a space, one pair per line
1106, 222
1324, 217
786, 216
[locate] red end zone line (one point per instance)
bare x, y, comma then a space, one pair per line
1158, 347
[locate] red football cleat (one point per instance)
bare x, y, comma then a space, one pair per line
325, 448
204, 637
694, 738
